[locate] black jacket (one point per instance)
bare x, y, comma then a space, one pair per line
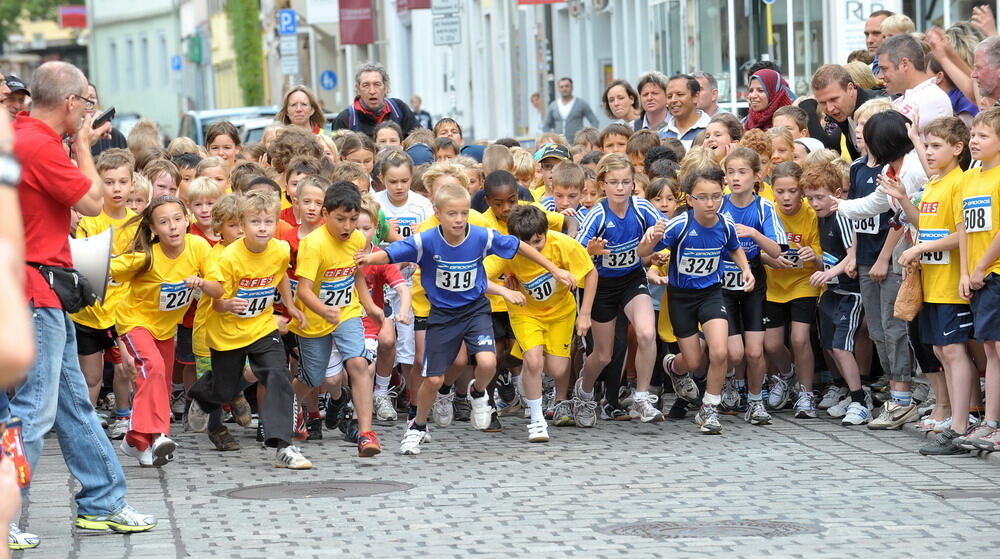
864, 95
362, 121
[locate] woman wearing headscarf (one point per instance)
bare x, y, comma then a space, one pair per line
767, 92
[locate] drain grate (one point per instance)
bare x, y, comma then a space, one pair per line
721, 529
331, 489
964, 493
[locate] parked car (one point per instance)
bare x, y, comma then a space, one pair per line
253, 129
193, 123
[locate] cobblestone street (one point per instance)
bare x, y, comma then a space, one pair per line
809, 488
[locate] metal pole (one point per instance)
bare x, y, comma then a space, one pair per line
790, 30
733, 70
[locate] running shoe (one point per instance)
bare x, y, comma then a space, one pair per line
463, 410
17, 540
385, 410
368, 444
708, 419
443, 411
178, 404
730, 396
921, 392
684, 385
124, 520
679, 409
756, 414
509, 407
481, 410
644, 409
351, 432
495, 426
833, 395
300, 432
856, 414
163, 449
943, 444
611, 413
242, 414
197, 418
840, 409
145, 457
291, 458
426, 432
410, 445
562, 414
506, 386
584, 409
744, 403
804, 406
538, 432
119, 426
893, 416
334, 411
977, 431
778, 393
881, 384
223, 440
260, 431
314, 427
990, 442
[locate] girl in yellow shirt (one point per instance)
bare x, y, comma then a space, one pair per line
166, 266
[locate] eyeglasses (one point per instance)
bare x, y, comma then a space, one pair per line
88, 104
706, 197
626, 182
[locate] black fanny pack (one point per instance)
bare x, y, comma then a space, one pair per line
74, 291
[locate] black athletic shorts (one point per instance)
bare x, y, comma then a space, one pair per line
614, 293
691, 307
93, 340
746, 310
778, 315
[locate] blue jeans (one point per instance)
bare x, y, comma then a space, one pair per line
314, 353
55, 393
4, 405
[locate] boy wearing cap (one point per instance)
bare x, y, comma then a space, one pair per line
546, 158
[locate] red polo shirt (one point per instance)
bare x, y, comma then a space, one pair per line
50, 185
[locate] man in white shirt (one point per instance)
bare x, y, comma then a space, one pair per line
566, 114
686, 120
903, 68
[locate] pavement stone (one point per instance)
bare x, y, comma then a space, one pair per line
496, 494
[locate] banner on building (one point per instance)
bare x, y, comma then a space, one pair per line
530, 2
357, 22
407, 5
847, 24
73, 16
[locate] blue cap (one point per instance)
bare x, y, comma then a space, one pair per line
474, 151
420, 154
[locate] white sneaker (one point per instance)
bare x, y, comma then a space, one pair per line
833, 396
145, 457
644, 409
840, 409
197, 417
804, 407
684, 385
857, 414
163, 451
16, 539
538, 432
291, 457
584, 409
777, 393
410, 445
384, 409
118, 429
442, 412
481, 409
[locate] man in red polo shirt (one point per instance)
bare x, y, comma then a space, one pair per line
55, 392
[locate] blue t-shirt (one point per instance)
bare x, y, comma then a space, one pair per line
696, 251
871, 231
549, 203
453, 275
622, 234
758, 214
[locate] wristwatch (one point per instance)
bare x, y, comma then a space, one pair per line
10, 170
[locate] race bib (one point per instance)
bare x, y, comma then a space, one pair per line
938, 256
829, 261
337, 293
868, 225
792, 255
174, 296
977, 213
260, 299
456, 276
621, 256
732, 276
406, 225
698, 262
541, 288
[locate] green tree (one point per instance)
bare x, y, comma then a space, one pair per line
244, 23
12, 11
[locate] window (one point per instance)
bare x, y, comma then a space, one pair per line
144, 60
164, 64
113, 65
130, 63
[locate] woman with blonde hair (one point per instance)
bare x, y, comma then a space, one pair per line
300, 108
861, 74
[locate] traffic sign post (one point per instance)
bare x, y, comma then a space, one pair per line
445, 7
447, 30
288, 41
288, 22
328, 80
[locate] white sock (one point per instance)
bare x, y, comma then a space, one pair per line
519, 382
640, 395
382, 384
535, 407
711, 399
585, 394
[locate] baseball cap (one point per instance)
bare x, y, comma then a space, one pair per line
15, 84
420, 154
552, 150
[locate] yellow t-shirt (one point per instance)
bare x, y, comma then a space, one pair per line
546, 297
802, 230
556, 221
766, 191
254, 277
421, 306
158, 299
976, 204
538, 192
101, 315
940, 269
199, 336
664, 327
329, 263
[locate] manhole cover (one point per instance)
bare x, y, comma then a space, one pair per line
965, 493
722, 529
332, 489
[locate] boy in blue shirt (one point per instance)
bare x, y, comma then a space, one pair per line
450, 257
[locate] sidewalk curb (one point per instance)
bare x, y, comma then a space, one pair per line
990, 457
